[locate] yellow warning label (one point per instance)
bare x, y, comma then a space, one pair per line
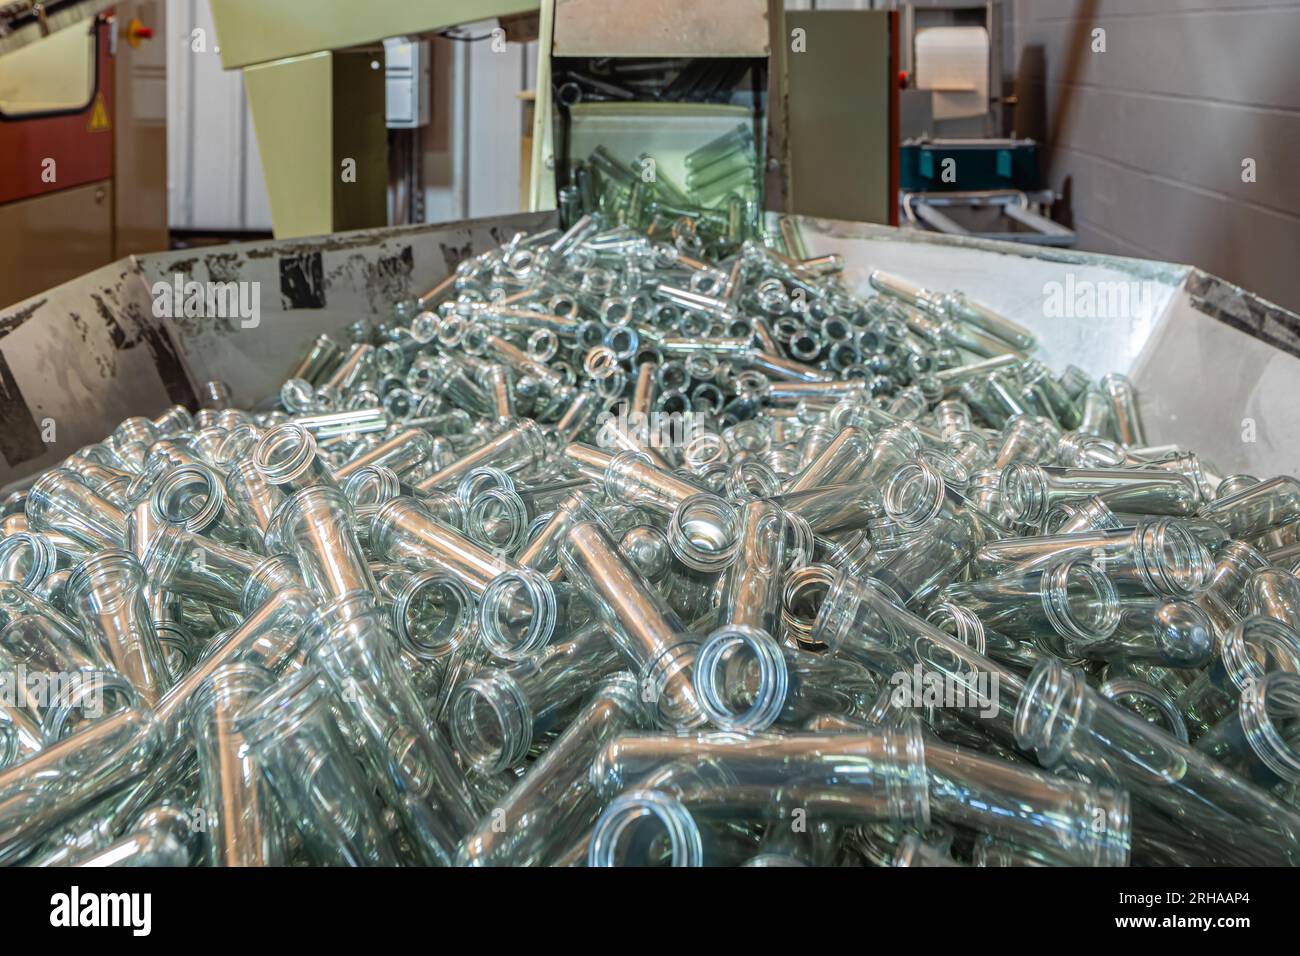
99, 115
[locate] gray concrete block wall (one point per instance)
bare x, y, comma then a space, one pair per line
1149, 136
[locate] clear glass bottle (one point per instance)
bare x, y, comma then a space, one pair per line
324, 791
1061, 821
653, 639
751, 592
51, 787
497, 714
1160, 556
1154, 630
834, 508
554, 802
61, 502
1146, 700
107, 595
541, 551
746, 682
640, 819
163, 837
255, 499
241, 824
413, 765
1020, 653
935, 555
1066, 722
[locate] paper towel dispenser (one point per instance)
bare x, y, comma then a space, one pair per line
952, 57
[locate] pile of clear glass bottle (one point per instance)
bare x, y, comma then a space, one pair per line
615, 551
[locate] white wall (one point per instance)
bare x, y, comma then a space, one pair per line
1150, 135
214, 174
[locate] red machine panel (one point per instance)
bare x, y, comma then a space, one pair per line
80, 143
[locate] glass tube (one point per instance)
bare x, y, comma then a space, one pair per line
498, 713
194, 497
316, 528
834, 508
287, 459
242, 829
161, 842
1065, 822
746, 682
1156, 557
652, 638
1066, 603
1234, 563
1274, 593
403, 452
1020, 653
355, 652
60, 501
876, 775
74, 685
188, 564
1258, 508
1260, 739
554, 802
510, 451
864, 621
309, 767
107, 595
404, 532
52, 786
1123, 409
1064, 721
1030, 490
932, 558
1256, 647
751, 593
432, 613
844, 457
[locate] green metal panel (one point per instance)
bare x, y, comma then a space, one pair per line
294, 103
359, 133
837, 120
256, 31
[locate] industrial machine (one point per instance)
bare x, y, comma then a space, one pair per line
961, 174
83, 151
313, 72
662, 79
